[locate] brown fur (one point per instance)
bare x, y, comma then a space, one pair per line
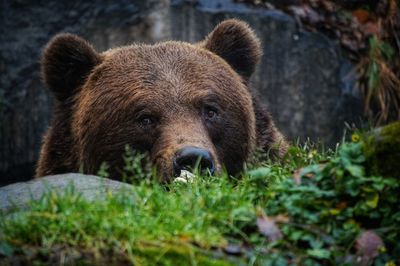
103, 100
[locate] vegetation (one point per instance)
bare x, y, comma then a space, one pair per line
315, 208
380, 84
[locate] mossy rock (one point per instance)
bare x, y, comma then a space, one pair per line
382, 151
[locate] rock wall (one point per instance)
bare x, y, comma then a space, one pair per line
303, 78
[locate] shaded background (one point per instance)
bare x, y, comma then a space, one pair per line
304, 78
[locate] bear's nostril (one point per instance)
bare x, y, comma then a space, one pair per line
187, 158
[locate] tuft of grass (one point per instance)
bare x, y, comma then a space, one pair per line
381, 86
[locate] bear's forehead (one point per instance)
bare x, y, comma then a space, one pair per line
166, 66
177, 59
171, 51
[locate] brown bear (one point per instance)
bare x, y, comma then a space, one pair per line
177, 101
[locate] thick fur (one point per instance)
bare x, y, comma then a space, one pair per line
192, 94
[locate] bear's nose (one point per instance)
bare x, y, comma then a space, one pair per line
187, 158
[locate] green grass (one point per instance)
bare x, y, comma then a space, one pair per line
203, 223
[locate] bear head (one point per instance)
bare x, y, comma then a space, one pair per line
181, 103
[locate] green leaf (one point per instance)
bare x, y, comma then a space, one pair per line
260, 172
319, 253
373, 77
372, 200
387, 50
355, 170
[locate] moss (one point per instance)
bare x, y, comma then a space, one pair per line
382, 151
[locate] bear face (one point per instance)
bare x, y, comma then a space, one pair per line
176, 101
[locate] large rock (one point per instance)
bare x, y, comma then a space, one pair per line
303, 77
90, 187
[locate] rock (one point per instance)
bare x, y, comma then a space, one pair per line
185, 177
304, 78
382, 151
91, 187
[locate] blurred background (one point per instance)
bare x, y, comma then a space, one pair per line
325, 64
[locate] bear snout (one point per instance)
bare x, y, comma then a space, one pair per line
189, 157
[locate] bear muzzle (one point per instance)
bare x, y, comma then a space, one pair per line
189, 158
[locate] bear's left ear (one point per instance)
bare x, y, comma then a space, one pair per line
237, 44
66, 62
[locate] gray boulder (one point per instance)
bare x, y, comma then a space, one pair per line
18, 195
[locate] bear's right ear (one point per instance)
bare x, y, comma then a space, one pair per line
66, 62
236, 43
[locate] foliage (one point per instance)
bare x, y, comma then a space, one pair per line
381, 86
311, 209
334, 203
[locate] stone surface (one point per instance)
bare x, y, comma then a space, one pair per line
303, 78
91, 187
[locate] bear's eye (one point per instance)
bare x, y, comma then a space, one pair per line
146, 121
210, 112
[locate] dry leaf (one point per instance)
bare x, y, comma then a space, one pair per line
297, 176
280, 218
341, 205
361, 15
267, 227
367, 246
372, 28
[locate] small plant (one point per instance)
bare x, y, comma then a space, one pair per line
103, 171
137, 166
381, 86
